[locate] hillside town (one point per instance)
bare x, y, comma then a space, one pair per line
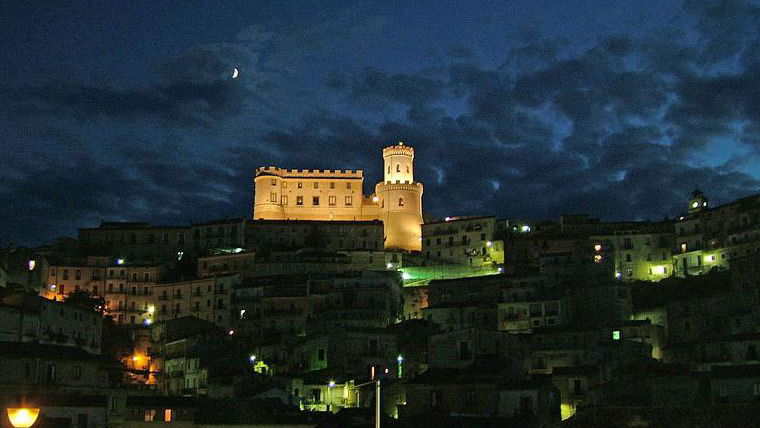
344, 309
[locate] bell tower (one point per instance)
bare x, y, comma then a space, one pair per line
400, 199
698, 201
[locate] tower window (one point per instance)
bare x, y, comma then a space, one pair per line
273, 197
332, 184
349, 200
315, 200
401, 202
398, 168
348, 185
300, 185
389, 169
316, 185
284, 200
407, 169
274, 182
299, 200
331, 200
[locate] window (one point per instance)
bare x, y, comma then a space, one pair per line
316, 185
401, 202
315, 200
616, 335
273, 197
332, 184
300, 185
398, 168
168, 415
321, 355
150, 415
274, 182
77, 372
51, 373
434, 397
348, 185
349, 200
299, 200
284, 200
331, 200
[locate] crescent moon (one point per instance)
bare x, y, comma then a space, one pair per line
235, 73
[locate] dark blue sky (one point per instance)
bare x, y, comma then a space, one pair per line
527, 109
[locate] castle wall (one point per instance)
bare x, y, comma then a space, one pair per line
330, 195
282, 194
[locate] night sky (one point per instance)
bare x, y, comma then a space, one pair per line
127, 110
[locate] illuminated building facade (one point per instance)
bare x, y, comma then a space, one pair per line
708, 238
463, 240
330, 195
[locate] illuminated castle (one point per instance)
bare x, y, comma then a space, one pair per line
290, 194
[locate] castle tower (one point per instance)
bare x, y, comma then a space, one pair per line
267, 200
400, 199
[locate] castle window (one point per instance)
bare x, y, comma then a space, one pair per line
389, 169
300, 185
348, 185
284, 200
273, 197
401, 202
332, 184
331, 200
316, 185
284, 184
315, 200
299, 200
398, 168
274, 182
407, 169
349, 200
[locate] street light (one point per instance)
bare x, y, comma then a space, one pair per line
330, 387
23, 417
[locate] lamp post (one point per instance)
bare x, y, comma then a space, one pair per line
330, 387
22, 417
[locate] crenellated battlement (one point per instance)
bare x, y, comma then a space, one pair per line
309, 173
398, 149
389, 186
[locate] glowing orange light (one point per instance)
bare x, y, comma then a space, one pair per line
23, 417
598, 247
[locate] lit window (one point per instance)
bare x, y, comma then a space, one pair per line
150, 415
273, 197
398, 168
401, 202
331, 200
598, 247
299, 200
300, 185
349, 200
284, 200
168, 415
616, 335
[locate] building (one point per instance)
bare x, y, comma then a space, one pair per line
330, 195
204, 298
467, 241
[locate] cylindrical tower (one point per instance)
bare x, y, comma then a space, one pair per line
400, 199
267, 199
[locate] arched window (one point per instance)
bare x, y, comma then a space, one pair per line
401, 202
398, 168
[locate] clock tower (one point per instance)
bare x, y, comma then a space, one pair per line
698, 201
